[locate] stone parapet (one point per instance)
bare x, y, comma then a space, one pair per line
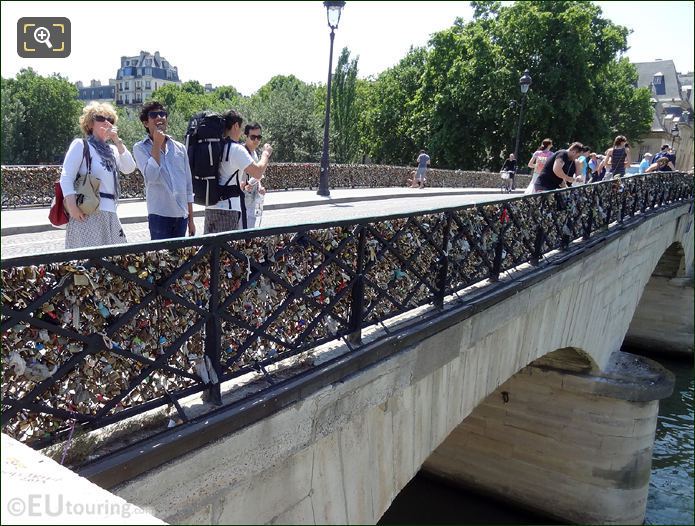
38, 490
33, 185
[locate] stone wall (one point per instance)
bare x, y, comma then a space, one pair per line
33, 185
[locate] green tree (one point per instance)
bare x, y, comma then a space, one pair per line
286, 108
130, 129
362, 92
39, 118
182, 102
227, 93
194, 87
459, 112
345, 138
386, 130
460, 97
627, 110
572, 53
12, 111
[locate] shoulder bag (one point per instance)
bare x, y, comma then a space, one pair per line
87, 186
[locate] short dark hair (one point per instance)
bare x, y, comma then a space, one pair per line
664, 147
148, 107
251, 126
576, 146
231, 118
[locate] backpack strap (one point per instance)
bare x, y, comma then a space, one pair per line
228, 142
86, 155
235, 174
244, 219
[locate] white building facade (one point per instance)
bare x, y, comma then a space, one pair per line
142, 74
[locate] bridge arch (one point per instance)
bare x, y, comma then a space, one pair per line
672, 263
570, 359
663, 318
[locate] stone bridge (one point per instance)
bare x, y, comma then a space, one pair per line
521, 392
305, 374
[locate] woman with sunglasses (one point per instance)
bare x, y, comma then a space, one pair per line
103, 226
253, 189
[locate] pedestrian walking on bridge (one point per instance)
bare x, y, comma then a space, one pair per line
423, 161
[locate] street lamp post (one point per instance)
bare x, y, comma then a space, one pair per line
675, 133
333, 10
524, 83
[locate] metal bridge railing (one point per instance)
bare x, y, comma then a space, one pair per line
96, 336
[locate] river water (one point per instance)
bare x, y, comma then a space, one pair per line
670, 501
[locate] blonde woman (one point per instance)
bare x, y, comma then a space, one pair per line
103, 226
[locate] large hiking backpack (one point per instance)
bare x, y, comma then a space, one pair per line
205, 144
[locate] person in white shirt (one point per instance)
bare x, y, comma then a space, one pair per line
254, 190
236, 161
164, 165
103, 226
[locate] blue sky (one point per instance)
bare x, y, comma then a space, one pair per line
252, 41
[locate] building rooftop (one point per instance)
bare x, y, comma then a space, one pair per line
647, 71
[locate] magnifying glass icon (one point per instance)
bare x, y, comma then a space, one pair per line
42, 36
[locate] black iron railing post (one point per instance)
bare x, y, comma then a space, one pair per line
589, 216
213, 330
635, 201
662, 196
623, 202
499, 248
538, 246
357, 304
443, 265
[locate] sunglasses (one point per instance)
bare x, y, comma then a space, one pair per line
255, 137
101, 118
155, 114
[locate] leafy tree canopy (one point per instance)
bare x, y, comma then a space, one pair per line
39, 117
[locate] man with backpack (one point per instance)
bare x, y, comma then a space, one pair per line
164, 164
225, 215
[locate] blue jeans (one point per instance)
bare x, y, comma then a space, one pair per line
162, 227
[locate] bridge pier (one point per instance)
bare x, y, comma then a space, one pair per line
571, 444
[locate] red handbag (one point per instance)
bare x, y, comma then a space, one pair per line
57, 215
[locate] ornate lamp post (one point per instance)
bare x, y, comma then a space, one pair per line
675, 133
333, 10
524, 83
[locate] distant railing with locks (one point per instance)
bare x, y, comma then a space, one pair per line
33, 185
97, 336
